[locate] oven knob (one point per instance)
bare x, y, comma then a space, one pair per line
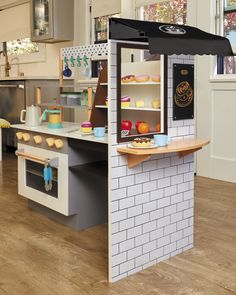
26, 136
19, 135
38, 139
59, 143
50, 141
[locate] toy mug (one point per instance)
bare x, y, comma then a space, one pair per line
161, 139
99, 131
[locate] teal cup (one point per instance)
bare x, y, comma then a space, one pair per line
99, 131
161, 139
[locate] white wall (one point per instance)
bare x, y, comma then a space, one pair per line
216, 108
48, 64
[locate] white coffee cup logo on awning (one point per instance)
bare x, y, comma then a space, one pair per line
174, 30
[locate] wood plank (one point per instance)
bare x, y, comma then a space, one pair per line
174, 147
134, 160
183, 147
39, 256
185, 153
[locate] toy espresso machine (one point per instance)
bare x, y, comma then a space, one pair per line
54, 118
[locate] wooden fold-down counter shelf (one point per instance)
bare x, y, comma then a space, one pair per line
181, 146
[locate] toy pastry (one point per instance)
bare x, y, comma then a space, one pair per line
128, 78
142, 78
139, 103
141, 142
156, 103
125, 101
86, 127
155, 78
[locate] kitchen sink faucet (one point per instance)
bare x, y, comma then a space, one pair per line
7, 64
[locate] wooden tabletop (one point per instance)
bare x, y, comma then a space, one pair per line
181, 146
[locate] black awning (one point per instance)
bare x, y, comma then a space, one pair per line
164, 38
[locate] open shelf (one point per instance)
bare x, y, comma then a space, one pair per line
99, 168
51, 104
140, 83
141, 109
131, 108
181, 146
101, 106
93, 81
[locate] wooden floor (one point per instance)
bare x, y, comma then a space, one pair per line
38, 256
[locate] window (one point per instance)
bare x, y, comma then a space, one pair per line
173, 11
22, 51
100, 28
21, 46
227, 19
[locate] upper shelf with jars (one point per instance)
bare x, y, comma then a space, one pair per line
52, 20
141, 92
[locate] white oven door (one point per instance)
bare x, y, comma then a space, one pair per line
31, 180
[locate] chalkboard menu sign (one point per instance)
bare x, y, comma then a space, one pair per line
183, 91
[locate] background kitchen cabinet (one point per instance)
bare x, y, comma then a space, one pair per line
52, 20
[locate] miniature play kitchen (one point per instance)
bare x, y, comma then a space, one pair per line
142, 169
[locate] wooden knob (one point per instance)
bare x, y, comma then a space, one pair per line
19, 135
58, 143
50, 141
26, 136
38, 139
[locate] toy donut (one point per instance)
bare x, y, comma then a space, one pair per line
128, 78
156, 78
142, 78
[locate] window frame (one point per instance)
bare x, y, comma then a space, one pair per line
218, 69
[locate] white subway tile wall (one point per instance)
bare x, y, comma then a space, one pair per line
151, 205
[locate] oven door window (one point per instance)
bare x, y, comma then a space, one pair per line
35, 180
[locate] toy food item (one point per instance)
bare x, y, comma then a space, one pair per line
142, 78
155, 78
86, 127
58, 143
158, 127
125, 101
38, 139
26, 137
139, 103
141, 142
126, 126
156, 103
142, 127
19, 135
137, 124
127, 78
50, 141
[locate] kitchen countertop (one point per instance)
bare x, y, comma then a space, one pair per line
69, 130
30, 78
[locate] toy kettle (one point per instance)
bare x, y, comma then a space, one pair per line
54, 118
31, 116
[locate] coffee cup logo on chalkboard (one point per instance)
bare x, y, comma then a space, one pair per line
183, 94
